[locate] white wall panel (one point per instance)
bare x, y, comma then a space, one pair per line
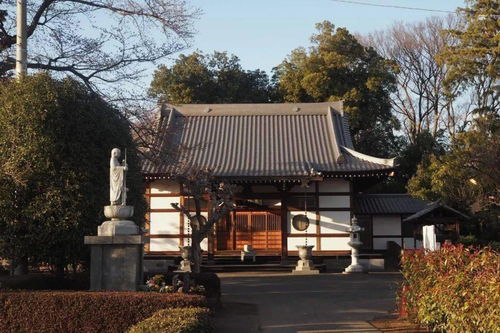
294, 241
163, 202
165, 187
204, 244
334, 185
409, 243
312, 222
335, 244
334, 201
164, 244
164, 223
387, 225
381, 243
334, 222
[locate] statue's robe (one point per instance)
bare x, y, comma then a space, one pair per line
116, 179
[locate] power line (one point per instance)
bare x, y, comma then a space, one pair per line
392, 6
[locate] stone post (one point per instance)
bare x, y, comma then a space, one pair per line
116, 259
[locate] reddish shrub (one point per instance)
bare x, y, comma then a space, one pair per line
59, 311
455, 289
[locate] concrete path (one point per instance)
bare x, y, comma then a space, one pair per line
275, 303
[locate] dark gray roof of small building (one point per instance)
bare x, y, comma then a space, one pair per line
388, 204
262, 140
431, 207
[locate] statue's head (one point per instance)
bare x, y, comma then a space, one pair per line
115, 153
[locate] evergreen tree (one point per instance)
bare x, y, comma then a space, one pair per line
55, 143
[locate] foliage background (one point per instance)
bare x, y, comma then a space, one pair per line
55, 142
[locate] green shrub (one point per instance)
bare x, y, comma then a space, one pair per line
58, 311
455, 289
186, 320
468, 240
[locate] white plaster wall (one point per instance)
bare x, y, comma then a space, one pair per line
204, 244
387, 225
334, 201
165, 187
334, 185
164, 223
334, 222
409, 243
381, 243
271, 202
164, 244
334, 244
312, 222
294, 241
163, 202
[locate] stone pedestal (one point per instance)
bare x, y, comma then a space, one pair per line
305, 264
305, 267
116, 262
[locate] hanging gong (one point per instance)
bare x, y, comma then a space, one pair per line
300, 222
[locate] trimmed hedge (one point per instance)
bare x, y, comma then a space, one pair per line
176, 320
51, 312
454, 289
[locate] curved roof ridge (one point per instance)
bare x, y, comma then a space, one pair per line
384, 161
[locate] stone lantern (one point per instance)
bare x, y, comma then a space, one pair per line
186, 254
355, 245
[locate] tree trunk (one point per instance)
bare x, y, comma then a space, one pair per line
21, 267
196, 248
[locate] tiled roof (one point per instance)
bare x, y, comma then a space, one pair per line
387, 204
433, 206
262, 140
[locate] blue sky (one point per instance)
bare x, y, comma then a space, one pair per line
261, 33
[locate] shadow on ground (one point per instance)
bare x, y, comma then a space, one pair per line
314, 303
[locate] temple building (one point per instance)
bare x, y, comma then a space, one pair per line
271, 151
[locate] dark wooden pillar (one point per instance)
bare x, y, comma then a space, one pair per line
211, 238
284, 228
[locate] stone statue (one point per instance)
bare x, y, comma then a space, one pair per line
118, 211
117, 179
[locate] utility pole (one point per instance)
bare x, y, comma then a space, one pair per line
21, 41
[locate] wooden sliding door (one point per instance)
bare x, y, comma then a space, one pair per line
262, 230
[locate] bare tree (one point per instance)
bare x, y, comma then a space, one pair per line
421, 101
100, 42
200, 185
